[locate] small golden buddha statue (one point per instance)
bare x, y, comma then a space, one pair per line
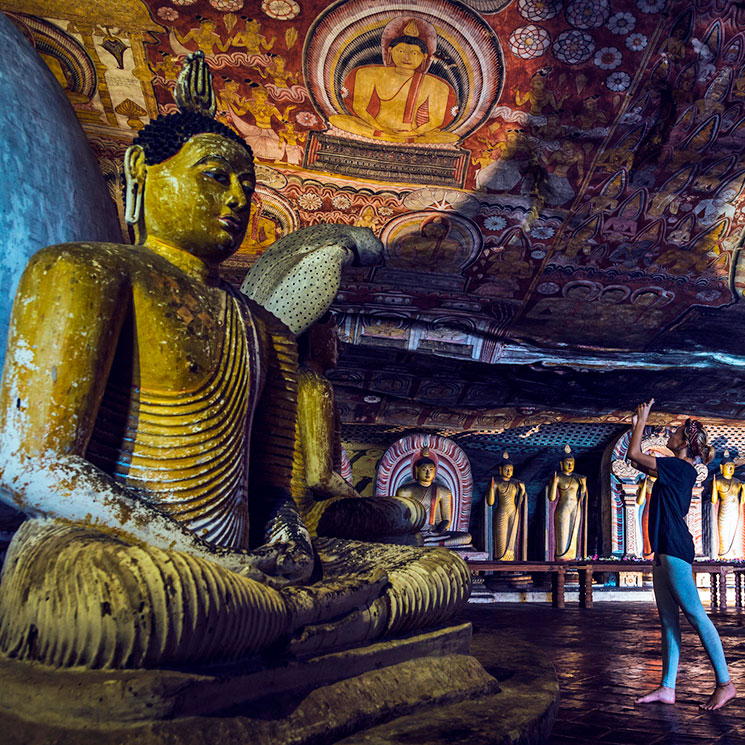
570, 524
437, 501
399, 101
149, 429
510, 521
728, 492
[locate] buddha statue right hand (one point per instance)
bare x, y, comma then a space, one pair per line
276, 564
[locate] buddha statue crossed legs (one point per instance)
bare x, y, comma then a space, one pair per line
148, 427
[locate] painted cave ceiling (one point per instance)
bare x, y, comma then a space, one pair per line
557, 185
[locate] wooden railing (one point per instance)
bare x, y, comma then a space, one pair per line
718, 571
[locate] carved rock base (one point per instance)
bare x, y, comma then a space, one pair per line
318, 700
522, 713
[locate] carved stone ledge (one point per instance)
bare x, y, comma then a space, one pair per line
290, 701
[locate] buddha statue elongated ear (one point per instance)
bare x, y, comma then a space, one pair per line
135, 172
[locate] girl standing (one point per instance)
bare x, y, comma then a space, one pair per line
674, 586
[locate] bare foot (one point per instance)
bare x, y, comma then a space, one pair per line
722, 694
662, 695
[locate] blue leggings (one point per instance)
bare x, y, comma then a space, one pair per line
675, 588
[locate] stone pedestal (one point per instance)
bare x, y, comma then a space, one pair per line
319, 699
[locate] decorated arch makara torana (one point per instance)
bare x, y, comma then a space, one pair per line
453, 471
628, 510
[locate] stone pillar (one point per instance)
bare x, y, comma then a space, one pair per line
44, 199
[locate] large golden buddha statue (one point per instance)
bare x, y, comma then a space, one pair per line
399, 101
148, 427
728, 492
570, 489
509, 523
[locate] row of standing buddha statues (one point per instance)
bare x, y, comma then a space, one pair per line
565, 530
564, 534
507, 508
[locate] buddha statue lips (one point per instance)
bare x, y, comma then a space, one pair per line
400, 101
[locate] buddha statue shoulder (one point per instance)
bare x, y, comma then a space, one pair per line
148, 429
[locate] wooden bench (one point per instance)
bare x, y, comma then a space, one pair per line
557, 569
717, 570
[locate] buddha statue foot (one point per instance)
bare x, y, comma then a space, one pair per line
450, 539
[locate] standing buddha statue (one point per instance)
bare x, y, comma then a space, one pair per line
643, 495
728, 492
510, 517
570, 515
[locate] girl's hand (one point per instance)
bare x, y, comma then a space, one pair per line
642, 412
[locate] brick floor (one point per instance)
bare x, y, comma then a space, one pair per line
606, 655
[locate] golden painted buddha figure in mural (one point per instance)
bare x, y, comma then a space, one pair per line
728, 491
437, 501
148, 427
399, 101
509, 521
569, 490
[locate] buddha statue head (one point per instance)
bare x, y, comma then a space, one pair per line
409, 43
567, 462
727, 466
506, 469
189, 178
425, 468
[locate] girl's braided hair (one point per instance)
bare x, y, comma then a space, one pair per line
695, 438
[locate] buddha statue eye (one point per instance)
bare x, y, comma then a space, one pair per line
220, 176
